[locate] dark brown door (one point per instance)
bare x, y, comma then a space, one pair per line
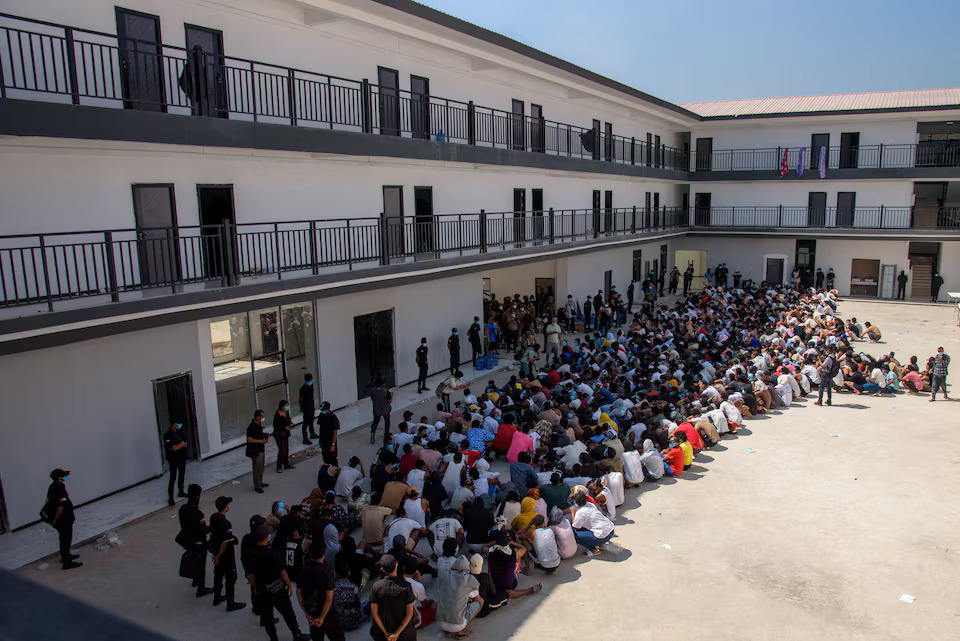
701, 208
608, 211
849, 150
817, 208
846, 206
389, 103
420, 107
536, 204
392, 218
596, 212
518, 128
537, 129
704, 154
423, 218
374, 350
207, 90
519, 216
608, 141
154, 209
596, 139
816, 142
141, 60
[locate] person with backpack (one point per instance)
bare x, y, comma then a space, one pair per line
829, 368
58, 512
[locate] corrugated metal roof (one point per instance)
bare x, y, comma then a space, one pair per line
920, 98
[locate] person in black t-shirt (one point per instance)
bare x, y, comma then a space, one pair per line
282, 426
329, 427
307, 408
60, 507
222, 544
248, 544
256, 448
391, 605
176, 448
193, 536
315, 595
271, 587
423, 364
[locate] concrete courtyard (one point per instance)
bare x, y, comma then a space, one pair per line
811, 523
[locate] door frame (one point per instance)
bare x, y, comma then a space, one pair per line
121, 36
191, 407
234, 251
175, 238
393, 339
783, 267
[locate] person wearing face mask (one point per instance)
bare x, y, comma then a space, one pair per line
60, 508
223, 548
307, 408
453, 346
329, 427
282, 425
256, 448
423, 365
175, 447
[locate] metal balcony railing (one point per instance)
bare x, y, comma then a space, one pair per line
939, 153
49, 269
858, 218
49, 61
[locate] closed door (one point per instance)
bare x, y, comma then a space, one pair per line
656, 209
519, 216
420, 107
536, 204
701, 209
657, 152
217, 223
518, 126
608, 211
207, 89
607, 284
392, 218
846, 206
649, 150
173, 400
154, 210
704, 154
374, 350
537, 129
596, 211
774, 271
596, 139
388, 81
818, 141
849, 150
608, 141
141, 60
817, 208
424, 220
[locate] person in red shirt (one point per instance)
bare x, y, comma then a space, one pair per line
501, 443
693, 436
674, 457
408, 461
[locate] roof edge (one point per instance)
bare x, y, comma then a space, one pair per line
836, 112
467, 28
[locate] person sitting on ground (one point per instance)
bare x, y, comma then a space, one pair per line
673, 455
591, 527
686, 447
545, 553
503, 561
459, 599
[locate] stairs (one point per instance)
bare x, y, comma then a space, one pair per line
922, 267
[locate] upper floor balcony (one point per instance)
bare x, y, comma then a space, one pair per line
43, 61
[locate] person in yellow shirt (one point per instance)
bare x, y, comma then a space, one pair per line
686, 447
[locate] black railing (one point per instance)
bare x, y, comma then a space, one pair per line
781, 216
945, 153
55, 61
44, 269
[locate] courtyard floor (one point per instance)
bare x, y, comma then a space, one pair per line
811, 523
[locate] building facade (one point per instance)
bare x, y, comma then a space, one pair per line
202, 203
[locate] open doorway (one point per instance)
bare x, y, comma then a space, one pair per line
773, 272
217, 210
374, 351
173, 399
684, 258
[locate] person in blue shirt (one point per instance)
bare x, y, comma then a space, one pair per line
478, 437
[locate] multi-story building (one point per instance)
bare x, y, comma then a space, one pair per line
201, 202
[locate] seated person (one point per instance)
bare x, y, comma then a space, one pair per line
872, 332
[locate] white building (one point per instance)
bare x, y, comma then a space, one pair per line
202, 202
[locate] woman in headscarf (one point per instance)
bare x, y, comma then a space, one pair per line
652, 462
522, 525
459, 599
541, 505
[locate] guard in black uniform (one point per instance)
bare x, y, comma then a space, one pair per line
272, 587
423, 364
248, 544
60, 508
222, 544
473, 335
307, 409
193, 537
329, 427
176, 448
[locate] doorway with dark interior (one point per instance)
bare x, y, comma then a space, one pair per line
596, 212
519, 217
607, 283
218, 228
174, 403
701, 209
373, 337
849, 150
536, 204
774, 271
420, 107
816, 209
425, 223
805, 257
158, 251
392, 219
608, 226
207, 88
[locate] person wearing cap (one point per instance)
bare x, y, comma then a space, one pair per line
247, 545
271, 586
391, 605
256, 450
473, 335
60, 508
328, 425
175, 447
315, 585
307, 408
193, 536
423, 365
222, 546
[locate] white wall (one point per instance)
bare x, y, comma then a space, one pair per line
89, 407
796, 132
743, 254
870, 193
520, 279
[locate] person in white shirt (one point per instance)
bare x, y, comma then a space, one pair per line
552, 348
408, 528
417, 476
590, 527
571, 453
546, 554
349, 478
402, 437
443, 529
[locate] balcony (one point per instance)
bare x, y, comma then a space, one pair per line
932, 154
49, 62
69, 270
788, 218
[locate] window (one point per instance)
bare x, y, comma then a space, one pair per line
220, 338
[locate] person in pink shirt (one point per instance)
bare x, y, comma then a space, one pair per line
521, 442
911, 380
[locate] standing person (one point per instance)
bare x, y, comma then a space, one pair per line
660, 280
315, 583
828, 369
223, 547
176, 449
248, 545
687, 280
473, 335
630, 291
60, 509
831, 276
571, 313
674, 280
902, 285
391, 605
938, 379
587, 306
282, 425
256, 450
271, 587
935, 283
423, 365
193, 537
597, 304
553, 340
818, 279
453, 346
329, 427
381, 398
307, 409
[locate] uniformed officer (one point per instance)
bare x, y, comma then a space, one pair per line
176, 448
193, 536
248, 544
60, 507
271, 586
222, 546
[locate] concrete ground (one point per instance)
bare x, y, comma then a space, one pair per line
811, 522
